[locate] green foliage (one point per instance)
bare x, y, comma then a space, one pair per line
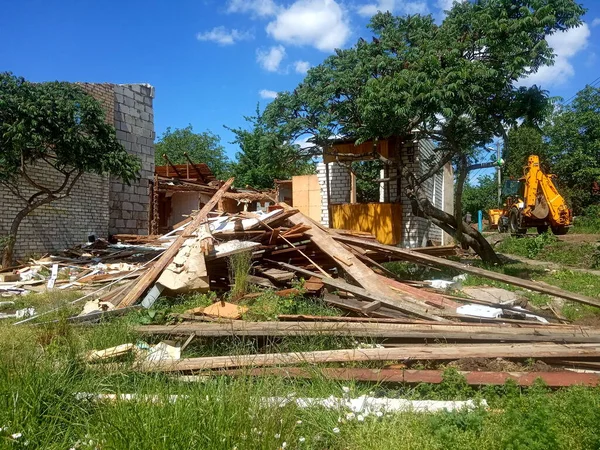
60, 124
367, 190
202, 147
547, 247
573, 136
482, 196
589, 222
522, 142
453, 83
268, 306
535, 245
266, 155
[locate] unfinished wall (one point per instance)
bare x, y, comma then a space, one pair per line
339, 186
418, 231
89, 209
134, 122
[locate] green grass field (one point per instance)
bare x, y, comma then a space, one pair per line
42, 376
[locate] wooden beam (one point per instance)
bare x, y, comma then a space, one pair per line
378, 330
426, 352
551, 379
358, 271
425, 259
151, 275
371, 294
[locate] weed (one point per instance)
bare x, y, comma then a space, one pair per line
239, 269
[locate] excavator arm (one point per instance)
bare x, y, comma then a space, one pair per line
542, 199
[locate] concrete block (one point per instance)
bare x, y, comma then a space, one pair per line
131, 223
127, 206
130, 103
122, 135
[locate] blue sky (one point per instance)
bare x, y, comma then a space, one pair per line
211, 61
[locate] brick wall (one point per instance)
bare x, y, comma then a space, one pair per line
91, 207
339, 187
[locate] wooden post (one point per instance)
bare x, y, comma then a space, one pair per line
329, 221
352, 187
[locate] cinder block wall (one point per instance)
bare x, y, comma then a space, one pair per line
134, 122
97, 204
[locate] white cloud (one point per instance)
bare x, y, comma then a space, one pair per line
267, 94
566, 44
444, 5
323, 24
400, 6
259, 8
596, 22
301, 66
223, 36
270, 59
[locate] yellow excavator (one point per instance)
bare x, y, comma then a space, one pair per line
532, 201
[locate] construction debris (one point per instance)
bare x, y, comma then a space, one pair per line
292, 256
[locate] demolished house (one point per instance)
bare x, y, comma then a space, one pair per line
291, 254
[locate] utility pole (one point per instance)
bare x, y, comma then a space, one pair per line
499, 172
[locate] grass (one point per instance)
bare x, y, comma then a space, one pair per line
547, 247
41, 371
239, 269
586, 225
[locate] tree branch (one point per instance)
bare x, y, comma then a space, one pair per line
433, 170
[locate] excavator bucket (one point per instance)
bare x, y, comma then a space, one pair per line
541, 209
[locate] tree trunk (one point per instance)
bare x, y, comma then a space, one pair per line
8, 252
460, 182
453, 225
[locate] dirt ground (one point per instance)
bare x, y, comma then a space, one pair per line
576, 238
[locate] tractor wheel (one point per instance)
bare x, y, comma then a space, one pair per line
542, 229
514, 222
560, 231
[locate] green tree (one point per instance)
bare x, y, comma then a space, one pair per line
266, 155
573, 136
202, 147
480, 196
58, 125
453, 83
367, 190
522, 142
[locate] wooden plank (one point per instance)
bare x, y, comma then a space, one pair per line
405, 306
551, 379
225, 310
434, 260
355, 305
426, 352
431, 298
112, 352
145, 281
376, 330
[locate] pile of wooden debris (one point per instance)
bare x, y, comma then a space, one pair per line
411, 320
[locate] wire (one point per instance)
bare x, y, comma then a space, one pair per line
570, 99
